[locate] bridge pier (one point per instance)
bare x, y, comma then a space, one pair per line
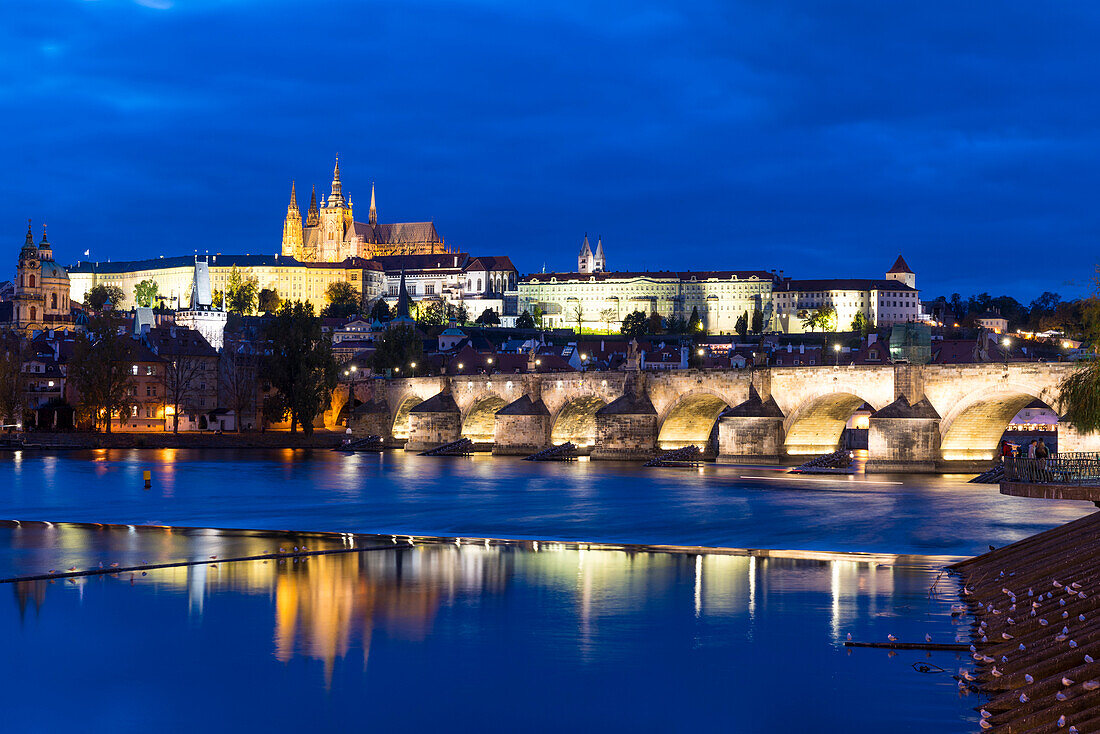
626, 429
751, 432
904, 437
434, 422
372, 418
522, 428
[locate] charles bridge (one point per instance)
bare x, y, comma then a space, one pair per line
925, 418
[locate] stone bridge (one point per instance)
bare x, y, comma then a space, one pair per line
925, 418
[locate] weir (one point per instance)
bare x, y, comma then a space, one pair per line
924, 418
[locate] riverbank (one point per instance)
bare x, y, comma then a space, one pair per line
320, 439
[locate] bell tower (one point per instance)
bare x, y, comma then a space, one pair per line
29, 300
336, 219
292, 227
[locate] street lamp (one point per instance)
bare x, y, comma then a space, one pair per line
836, 348
1005, 343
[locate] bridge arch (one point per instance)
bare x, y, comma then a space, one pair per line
815, 425
690, 420
479, 422
973, 427
400, 428
575, 421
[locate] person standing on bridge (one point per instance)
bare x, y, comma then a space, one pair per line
1031, 449
1006, 450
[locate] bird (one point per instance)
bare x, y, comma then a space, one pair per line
927, 637
1006, 636
1022, 647
1031, 592
1088, 658
1005, 591
996, 673
1090, 685
1072, 643
1024, 698
52, 571
1028, 679
213, 558
1043, 622
1072, 730
1065, 630
891, 638
968, 675
1060, 638
985, 639
849, 636
1065, 615
1081, 595
1066, 682
1060, 696
1004, 658
985, 714
1061, 602
967, 591
1010, 620
72, 568
1057, 585
973, 649
114, 565
984, 723
986, 659
1061, 721
1080, 617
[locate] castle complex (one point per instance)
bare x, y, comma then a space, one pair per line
331, 234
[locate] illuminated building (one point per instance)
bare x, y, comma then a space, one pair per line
41, 298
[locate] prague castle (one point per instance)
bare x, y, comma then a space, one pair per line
331, 234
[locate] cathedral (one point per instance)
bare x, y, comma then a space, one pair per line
330, 233
41, 289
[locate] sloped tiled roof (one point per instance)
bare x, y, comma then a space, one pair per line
900, 266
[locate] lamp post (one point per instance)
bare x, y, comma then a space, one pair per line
1005, 343
836, 348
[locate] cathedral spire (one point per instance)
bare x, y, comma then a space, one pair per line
373, 218
30, 236
336, 198
403, 298
293, 199
313, 216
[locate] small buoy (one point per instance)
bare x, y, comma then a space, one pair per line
148, 475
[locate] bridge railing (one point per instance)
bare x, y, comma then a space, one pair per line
1077, 468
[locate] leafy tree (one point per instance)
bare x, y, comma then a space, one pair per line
1079, 398
809, 319
401, 347
380, 311
525, 321
13, 383
146, 292
275, 409
269, 300
635, 324
431, 313
238, 370
861, 324
695, 324
537, 316
757, 324
460, 313
300, 364
100, 369
656, 324
217, 298
181, 376
99, 295
826, 318
343, 300
241, 292
742, 325
677, 325
488, 317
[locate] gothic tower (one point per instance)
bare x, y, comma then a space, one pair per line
599, 263
292, 227
313, 217
584, 259
372, 218
336, 219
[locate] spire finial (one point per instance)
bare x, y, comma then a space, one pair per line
293, 195
44, 240
373, 218
30, 235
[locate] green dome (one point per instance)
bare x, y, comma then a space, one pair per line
50, 269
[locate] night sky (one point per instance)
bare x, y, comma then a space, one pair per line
818, 138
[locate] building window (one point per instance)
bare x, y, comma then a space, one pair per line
53, 300
34, 313
429, 289
150, 370
479, 284
134, 369
30, 283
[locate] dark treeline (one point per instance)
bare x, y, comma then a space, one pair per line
1077, 319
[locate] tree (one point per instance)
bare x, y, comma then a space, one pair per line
861, 324
300, 364
181, 374
99, 295
401, 348
488, 317
537, 315
146, 292
460, 312
380, 311
695, 324
607, 316
757, 324
826, 318
808, 319
100, 369
655, 325
241, 292
578, 316
1079, 398
525, 321
217, 298
275, 409
742, 325
635, 324
269, 300
343, 300
238, 370
12, 378
431, 313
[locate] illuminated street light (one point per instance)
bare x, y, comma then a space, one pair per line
354, 368
701, 352
836, 348
413, 365
460, 365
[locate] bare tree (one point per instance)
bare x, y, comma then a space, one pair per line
12, 380
180, 376
238, 374
607, 316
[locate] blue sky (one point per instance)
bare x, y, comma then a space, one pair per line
818, 138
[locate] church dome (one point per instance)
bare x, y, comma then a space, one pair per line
50, 269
